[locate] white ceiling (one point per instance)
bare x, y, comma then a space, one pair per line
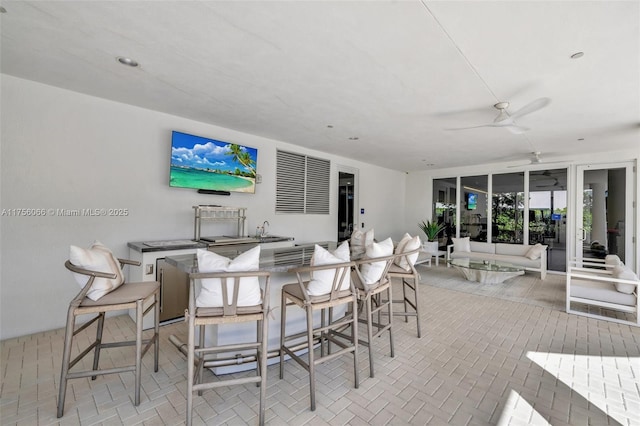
394, 74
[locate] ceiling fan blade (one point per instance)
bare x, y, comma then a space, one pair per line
517, 130
513, 128
552, 162
531, 107
503, 116
471, 127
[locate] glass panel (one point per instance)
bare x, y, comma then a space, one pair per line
345, 205
508, 208
548, 214
444, 209
603, 213
473, 207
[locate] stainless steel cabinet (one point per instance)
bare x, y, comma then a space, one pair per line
174, 291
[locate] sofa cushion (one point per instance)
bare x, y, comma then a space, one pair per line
623, 272
600, 291
504, 258
521, 261
512, 249
461, 244
480, 247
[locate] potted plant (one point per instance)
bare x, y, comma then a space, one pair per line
431, 230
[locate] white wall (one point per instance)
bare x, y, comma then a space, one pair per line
65, 150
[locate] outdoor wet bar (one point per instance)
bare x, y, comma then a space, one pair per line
278, 262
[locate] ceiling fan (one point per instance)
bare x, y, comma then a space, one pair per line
535, 159
507, 120
544, 180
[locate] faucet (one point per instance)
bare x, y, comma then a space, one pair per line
263, 229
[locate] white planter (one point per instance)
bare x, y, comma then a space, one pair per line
430, 246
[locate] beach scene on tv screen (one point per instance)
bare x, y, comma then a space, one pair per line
202, 163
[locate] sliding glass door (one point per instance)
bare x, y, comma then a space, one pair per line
507, 218
473, 207
604, 213
444, 209
548, 214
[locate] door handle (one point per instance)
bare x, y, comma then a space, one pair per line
161, 288
582, 234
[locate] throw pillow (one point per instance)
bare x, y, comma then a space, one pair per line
402, 243
623, 272
407, 244
360, 240
612, 259
322, 281
461, 244
371, 272
535, 251
100, 259
211, 288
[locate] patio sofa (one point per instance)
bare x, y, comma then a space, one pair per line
530, 257
605, 284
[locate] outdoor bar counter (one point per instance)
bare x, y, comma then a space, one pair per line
278, 261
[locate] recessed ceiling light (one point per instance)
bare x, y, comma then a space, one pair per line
577, 55
330, 126
354, 138
580, 139
127, 61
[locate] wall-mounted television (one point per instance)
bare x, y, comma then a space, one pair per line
212, 165
472, 200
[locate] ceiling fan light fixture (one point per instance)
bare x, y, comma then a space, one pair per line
127, 61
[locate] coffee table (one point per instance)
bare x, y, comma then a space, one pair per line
487, 272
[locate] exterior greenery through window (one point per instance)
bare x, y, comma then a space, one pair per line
508, 208
545, 214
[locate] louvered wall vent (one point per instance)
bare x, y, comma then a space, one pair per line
302, 184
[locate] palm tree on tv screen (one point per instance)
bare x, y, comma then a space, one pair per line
243, 158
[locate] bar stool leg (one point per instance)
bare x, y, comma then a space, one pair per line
312, 367
156, 327
367, 304
139, 312
415, 293
390, 311
263, 371
96, 352
283, 319
355, 343
190, 368
66, 359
